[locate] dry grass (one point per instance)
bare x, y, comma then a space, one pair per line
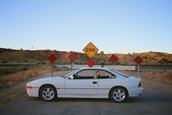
163, 76
23, 75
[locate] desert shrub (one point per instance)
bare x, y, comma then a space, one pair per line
78, 63
60, 63
24, 68
9, 69
1, 84
4, 61
6, 71
22, 75
162, 76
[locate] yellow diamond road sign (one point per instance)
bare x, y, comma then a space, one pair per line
90, 50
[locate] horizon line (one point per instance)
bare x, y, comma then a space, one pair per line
83, 52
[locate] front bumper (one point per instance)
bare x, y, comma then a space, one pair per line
34, 92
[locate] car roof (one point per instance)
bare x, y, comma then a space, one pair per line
100, 68
105, 69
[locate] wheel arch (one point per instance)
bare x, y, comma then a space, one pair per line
46, 85
119, 87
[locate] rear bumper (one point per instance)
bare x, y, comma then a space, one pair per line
135, 92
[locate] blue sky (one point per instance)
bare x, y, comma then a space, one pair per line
114, 26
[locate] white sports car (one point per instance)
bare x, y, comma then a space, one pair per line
87, 83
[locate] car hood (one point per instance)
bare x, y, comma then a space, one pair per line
48, 80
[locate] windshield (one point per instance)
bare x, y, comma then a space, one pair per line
71, 73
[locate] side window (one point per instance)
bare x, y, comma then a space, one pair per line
85, 74
105, 75
93, 74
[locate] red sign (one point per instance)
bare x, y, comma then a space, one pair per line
138, 60
72, 56
113, 58
90, 63
52, 58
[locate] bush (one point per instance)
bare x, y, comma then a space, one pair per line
4, 61
1, 84
6, 71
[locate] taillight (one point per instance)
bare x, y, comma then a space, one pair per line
28, 87
140, 84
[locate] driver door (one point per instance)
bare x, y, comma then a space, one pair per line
82, 83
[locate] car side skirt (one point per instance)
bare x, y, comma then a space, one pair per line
82, 96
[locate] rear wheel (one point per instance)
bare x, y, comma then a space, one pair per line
118, 94
48, 93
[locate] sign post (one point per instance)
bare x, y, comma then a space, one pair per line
52, 58
72, 57
138, 60
90, 50
138, 70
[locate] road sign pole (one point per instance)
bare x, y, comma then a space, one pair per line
52, 70
72, 65
138, 69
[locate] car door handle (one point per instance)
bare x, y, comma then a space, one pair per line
94, 82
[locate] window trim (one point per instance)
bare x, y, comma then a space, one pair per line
93, 76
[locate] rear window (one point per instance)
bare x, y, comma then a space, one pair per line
122, 74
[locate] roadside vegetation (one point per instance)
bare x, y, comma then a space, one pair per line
10, 78
161, 75
19, 65
164, 76
6, 69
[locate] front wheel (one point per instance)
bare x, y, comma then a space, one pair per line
118, 94
48, 93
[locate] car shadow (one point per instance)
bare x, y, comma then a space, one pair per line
75, 100
146, 97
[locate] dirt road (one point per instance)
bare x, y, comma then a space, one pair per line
156, 100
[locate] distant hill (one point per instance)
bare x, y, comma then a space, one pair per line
40, 56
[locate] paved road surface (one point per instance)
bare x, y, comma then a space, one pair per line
156, 100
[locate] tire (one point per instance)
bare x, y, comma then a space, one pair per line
48, 93
118, 94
